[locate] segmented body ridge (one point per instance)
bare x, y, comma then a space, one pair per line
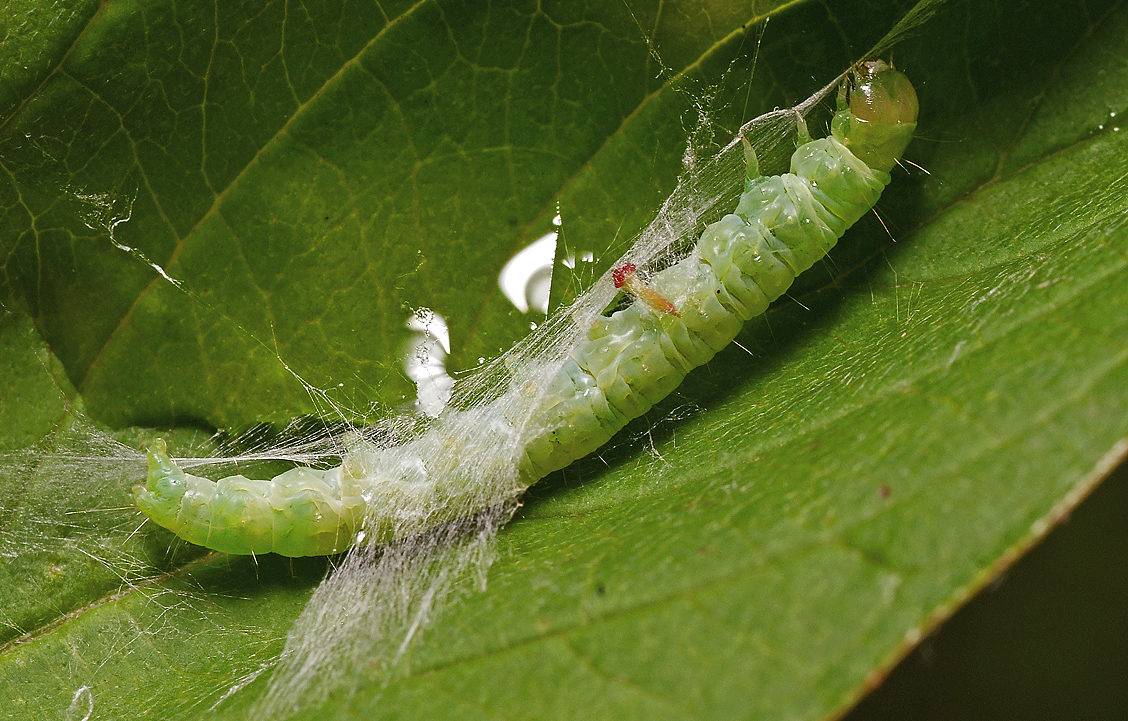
627, 361
631, 360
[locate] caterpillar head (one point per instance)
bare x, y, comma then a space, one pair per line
877, 113
164, 486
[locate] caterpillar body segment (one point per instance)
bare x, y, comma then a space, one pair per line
302, 512
625, 363
782, 225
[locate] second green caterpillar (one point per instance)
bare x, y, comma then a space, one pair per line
628, 361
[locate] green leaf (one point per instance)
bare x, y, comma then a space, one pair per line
764, 545
1051, 633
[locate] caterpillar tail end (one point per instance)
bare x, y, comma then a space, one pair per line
165, 484
302, 512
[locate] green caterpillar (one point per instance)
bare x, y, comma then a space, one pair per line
627, 361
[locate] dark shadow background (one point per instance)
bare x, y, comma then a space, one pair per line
1049, 640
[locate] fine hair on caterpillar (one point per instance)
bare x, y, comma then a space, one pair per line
576, 395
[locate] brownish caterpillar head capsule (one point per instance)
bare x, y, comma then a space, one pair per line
877, 113
882, 94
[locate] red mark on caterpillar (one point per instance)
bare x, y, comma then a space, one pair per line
619, 275
624, 277
884, 491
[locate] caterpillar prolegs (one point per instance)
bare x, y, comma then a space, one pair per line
628, 361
